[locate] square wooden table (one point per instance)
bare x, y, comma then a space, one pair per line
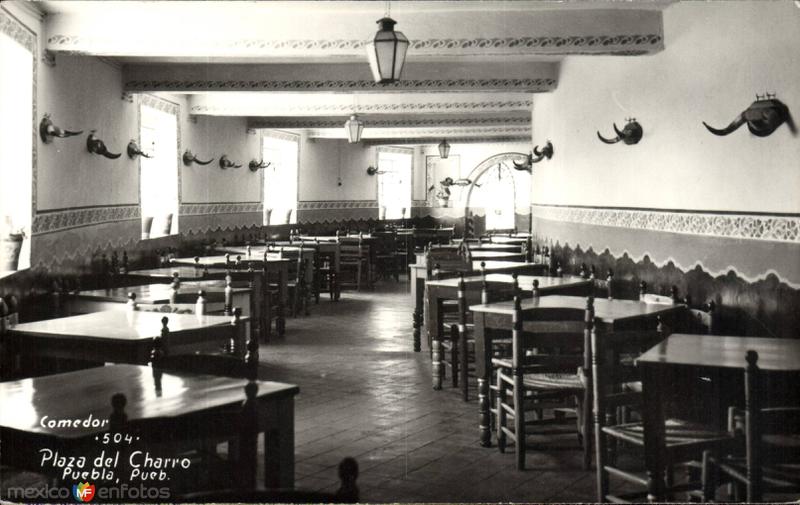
700, 352
418, 274
96, 300
614, 315
184, 402
499, 284
119, 336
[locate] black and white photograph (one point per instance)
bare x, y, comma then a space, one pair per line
404, 251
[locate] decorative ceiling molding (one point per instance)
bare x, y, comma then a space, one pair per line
495, 46
401, 133
17, 31
389, 107
532, 85
452, 139
405, 122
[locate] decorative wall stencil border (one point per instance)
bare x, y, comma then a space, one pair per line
17, 31
277, 134
530, 85
199, 209
383, 107
159, 103
63, 219
482, 46
341, 204
390, 123
479, 137
745, 226
396, 150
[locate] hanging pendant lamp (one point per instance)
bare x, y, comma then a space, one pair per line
387, 52
354, 128
444, 149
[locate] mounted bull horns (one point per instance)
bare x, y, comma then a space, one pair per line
763, 117
47, 130
256, 165
631, 134
224, 163
374, 171
134, 151
546, 152
189, 158
96, 146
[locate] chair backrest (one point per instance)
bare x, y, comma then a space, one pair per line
440, 260
561, 337
351, 249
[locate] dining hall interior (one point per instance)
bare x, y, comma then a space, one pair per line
406, 251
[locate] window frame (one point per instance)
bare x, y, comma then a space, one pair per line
266, 135
409, 151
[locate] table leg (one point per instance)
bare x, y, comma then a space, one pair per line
654, 437
417, 292
279, 448
283, 294
483, 361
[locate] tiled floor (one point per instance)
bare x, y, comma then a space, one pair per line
366, 394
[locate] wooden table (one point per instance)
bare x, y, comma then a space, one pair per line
705, 352
96, 300
159, 416
613, 314
436, 292
489, 246
418, 274
118, 336
504, 239
279, 267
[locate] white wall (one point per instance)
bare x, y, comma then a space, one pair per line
718, 56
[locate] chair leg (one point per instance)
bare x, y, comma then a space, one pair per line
463, 365
454, 354
584, 417
600, 461
501, 417
519, 419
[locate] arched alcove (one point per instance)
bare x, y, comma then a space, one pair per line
498, 190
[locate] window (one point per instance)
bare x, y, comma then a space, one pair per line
16, 153
394, 183
280, 179
159, 176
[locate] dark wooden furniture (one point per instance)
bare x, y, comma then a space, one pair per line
116, 336
501, 287
611, 315
419, 274
161, 409
706, 353
550, 358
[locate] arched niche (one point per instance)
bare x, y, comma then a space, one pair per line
497, 186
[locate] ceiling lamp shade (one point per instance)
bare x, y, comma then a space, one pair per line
444, 149
387, 52
354, 128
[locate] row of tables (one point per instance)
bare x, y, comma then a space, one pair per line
677, 351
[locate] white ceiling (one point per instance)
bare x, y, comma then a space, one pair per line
473, 66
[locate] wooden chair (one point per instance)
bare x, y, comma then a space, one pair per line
770, 462
354, 258
614, 396
299, 290
550, 356
387, 261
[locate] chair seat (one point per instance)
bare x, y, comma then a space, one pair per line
558, 381
677, 433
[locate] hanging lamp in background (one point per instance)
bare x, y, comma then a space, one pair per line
354, 128
387, 52
444, 149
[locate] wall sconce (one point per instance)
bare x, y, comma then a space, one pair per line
189, 158
545, 153
374, 171
444, 149
763, 117
134, 151
255, 166
630, 135
96, 146
47, 130
225, 163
